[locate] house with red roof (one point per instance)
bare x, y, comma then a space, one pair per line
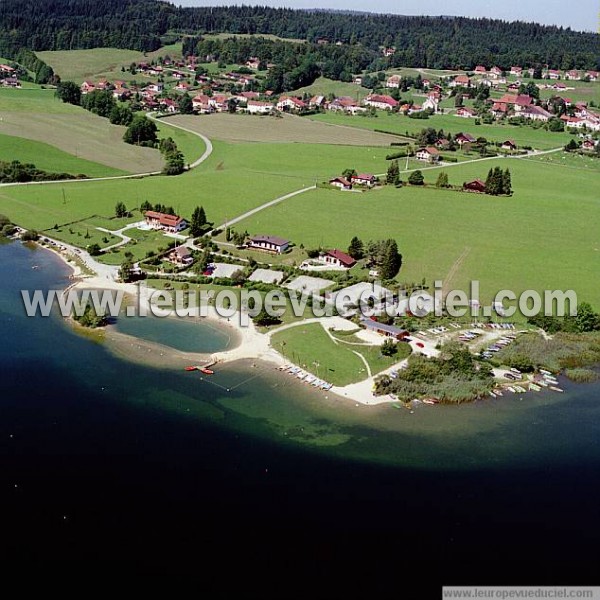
474, 186
340, 182
290, 104
593, 75
460, 81
339, 259
464, 138
495, 72
164, 222
87, 87
201, 104
429, 154
516, 71
573, 75
380, 101
364, 179
552, 74
465, 113
480, 70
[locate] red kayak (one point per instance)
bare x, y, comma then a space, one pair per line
191, 368
207, 371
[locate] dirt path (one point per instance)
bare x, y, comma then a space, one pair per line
454, 269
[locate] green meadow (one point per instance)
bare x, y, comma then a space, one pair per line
310, 347
401, 124
77, 65
543, 237
49, 158
323, 87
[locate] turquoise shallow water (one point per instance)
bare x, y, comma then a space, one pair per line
95, 449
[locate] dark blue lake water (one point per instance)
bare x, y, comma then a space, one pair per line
107, 466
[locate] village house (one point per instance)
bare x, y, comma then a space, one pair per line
460, 81
588, 145
465, 113
495, 72
183, 86
480, 70
387, 52
317, 102
593, 75
219, 102
573, 75
340, 182
393, 81
157, 87
168, 105
269, 243
11, 82
164, 222
181, 256
290, 104
508, 145
516, 71
253, 63
365, 179
432, 103
256, 107
474, 186
552, 74
155, 71
6, 69
87, 87
381, 102
345, 104
429, 154
337, 258
201, 104
536, 113
464, 138
357, 80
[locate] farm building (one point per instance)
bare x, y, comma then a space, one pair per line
475, 186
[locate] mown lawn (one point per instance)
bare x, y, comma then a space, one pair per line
48, 158
310, 347
401, 124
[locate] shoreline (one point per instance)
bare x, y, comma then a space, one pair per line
250, 344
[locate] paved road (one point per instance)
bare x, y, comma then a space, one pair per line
235, 220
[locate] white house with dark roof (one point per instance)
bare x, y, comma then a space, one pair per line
268, 243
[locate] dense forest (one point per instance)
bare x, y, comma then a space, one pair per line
434, 42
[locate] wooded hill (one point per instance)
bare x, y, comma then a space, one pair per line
433, 42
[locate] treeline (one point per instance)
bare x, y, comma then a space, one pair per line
433, 42
17, 172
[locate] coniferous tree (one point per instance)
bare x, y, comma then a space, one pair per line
393, 173
356, 248
391, 260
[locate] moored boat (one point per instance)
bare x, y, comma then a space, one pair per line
206, 371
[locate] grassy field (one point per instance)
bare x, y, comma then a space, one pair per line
77, 65
35, 114
49, 158
400, 124
323, 87
310, 347
226, 184
267, 36
543, 237
290, 128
